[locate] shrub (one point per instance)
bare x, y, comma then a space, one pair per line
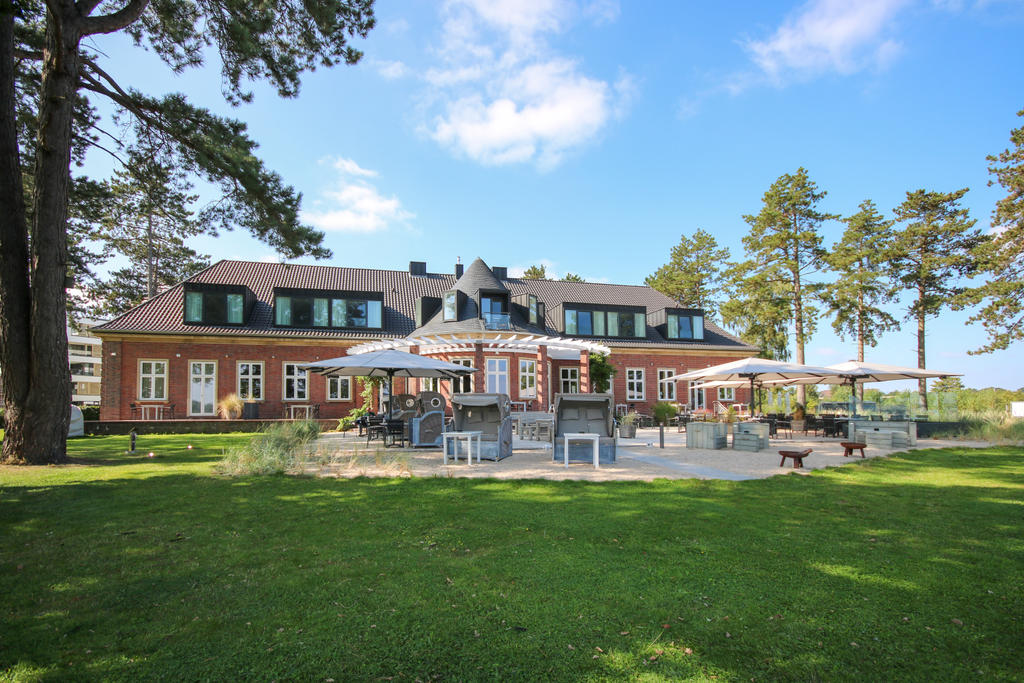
278, 449
230, 407
629, 418
664, 411
90, 412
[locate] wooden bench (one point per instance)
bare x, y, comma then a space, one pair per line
850, 446
797, 456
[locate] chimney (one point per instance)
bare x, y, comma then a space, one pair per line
458, 267
500, 272
417, 267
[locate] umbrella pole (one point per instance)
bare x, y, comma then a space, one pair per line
853, 395
751, 396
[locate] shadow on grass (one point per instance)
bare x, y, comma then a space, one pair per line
179, 575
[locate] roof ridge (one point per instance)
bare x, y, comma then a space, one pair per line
321, 265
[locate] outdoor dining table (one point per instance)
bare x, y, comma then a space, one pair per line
305, 408
593, 438
152, 411
455, 436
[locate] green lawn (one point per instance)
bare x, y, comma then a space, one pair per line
129, 567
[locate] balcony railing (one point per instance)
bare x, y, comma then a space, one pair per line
497, 321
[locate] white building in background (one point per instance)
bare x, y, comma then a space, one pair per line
85, 355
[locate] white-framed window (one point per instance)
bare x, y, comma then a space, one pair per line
463, 385
152, 380
666, 390
430, 384
635, 390
294, 382
726, 394
339, 388
250, 380
570, 383
451, 306
527, 378
496, 375
202, 387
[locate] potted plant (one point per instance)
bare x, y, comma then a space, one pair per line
230, 407
799, 421
664, 411
627, 425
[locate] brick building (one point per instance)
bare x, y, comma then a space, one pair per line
245, 328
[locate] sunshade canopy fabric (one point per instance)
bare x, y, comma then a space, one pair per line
750, 368
387, 363
852, 371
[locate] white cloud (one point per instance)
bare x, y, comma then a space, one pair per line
502, 96
349, 167
391, 70
353, 204
397, 27
828, 35
602, 11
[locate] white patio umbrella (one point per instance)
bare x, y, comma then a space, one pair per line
853, 372
753, 369
388, 363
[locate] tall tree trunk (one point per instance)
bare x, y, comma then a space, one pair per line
150, 268
922, 384
14, 284
860, 341
42, 427
798, 322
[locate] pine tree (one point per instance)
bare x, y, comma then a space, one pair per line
1002, 257
694, 275
572, 277
783, 251
862, 283
929, 255
536, 273
148, 221
41, 51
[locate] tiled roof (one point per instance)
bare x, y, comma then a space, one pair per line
163, 314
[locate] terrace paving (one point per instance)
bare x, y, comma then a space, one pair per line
638, 459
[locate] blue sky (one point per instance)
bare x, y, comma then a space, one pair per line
589, 135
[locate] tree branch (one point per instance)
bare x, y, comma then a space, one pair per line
109, 23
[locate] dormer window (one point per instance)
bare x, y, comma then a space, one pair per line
533, 309
597, 323
494, 311
685, 326
338, 310
451, 305
215, 306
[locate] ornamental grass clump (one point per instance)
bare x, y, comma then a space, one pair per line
994, 426
280, 448
230, 407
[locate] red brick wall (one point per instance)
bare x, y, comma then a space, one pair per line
651, 363
120, 385
121, 366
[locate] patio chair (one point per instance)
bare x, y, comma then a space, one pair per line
588, 414
374, 427
394, 431
490, 414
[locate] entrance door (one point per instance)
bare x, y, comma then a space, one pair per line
696, 396
497, 375
202, 392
